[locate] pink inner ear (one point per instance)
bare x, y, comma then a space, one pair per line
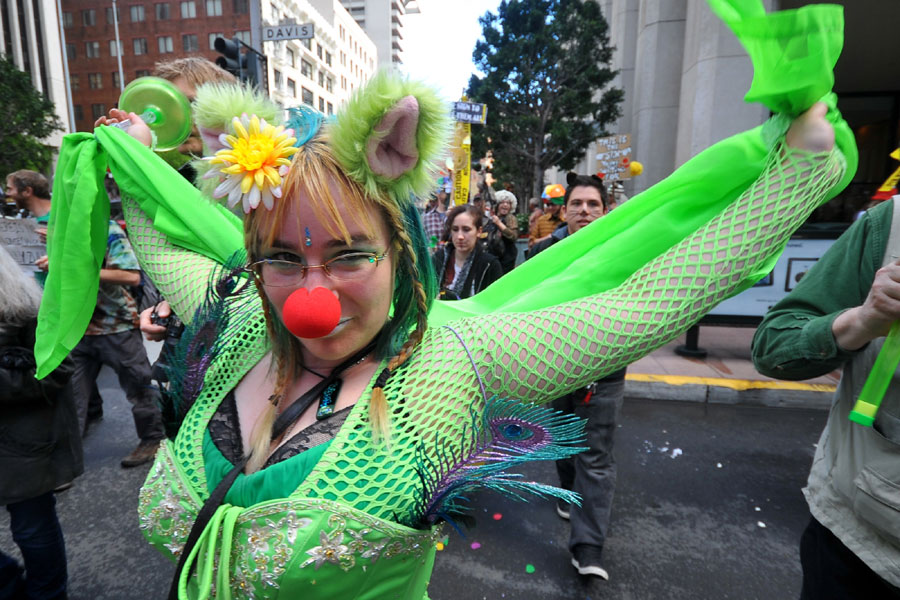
211, 138
395, 153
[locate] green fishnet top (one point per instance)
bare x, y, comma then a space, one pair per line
341, 519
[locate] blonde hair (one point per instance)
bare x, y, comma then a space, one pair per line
313, 168
20, 295
195, 70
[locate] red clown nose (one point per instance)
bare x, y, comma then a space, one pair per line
311, 314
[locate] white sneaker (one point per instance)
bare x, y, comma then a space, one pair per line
586, 560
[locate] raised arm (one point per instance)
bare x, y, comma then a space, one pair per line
542, 354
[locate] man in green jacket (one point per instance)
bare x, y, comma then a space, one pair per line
837, 317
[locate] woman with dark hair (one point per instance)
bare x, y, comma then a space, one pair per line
40, 445
463, 267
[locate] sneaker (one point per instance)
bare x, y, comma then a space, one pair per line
562, 509
144, 453
586, 560
63, 487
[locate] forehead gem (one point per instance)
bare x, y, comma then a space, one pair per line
307, 240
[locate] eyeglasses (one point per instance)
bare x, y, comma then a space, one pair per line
344, 267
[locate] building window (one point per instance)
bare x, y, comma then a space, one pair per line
89, 17
142, 73
98, 110
140, 46
307, 96
307, 44
113, 48
328, 58
343, 58
95, 81
67, 19
137, 14
212, 39
189, 10
79, 112
330, 108
70, 51
111, 17
292, 57
278, 80
213, 8
341, 29
241, 7
292, 88
162, 11
165, 44
244, 36
75, 81
117, 83
190, 43
92, 49
306, 68
343, 82
321, 104
319, 50
329, 85
321, 78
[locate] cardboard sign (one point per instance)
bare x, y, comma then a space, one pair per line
469, 112
19, 238
614, 156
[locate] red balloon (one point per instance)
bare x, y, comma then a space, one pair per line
312, 314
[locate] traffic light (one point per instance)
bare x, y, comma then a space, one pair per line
231, 60
250, 67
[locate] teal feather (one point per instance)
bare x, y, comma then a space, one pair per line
506, 434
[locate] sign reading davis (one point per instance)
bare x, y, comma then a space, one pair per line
289, 31
19, 238
469, 112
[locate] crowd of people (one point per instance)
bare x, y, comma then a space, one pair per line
321, 393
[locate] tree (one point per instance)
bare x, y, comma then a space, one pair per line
546, 83
29, 118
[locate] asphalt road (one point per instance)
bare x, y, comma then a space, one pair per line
708, 506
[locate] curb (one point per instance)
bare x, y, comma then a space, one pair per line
713, 390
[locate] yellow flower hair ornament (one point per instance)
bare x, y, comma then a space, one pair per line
252, 162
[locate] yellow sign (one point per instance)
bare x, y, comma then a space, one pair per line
462, 162
891, 182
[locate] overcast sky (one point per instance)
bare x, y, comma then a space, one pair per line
438, 43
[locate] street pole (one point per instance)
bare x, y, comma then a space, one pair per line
62, 36
118, 47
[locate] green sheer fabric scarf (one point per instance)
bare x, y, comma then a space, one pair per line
793, 54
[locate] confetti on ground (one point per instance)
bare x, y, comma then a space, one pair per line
757, 509
497, 516
761, 524
718, 465
475, 545
440, 546
676, 452
529, 568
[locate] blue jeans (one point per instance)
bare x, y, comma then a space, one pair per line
36, 531
592, 474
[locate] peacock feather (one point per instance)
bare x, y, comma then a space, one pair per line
213, 322
507, 433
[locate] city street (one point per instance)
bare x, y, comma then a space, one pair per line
708, 506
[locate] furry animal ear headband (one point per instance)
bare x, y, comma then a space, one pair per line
386, 138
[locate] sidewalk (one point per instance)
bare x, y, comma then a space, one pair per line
725, 376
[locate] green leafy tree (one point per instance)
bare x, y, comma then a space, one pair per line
28, 119
547, 86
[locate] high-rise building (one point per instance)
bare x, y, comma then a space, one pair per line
323, 71
149, 32
383, 22
29, 34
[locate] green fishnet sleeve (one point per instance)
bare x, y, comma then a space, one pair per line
544, 354
180, 275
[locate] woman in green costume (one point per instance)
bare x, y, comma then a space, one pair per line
402, 405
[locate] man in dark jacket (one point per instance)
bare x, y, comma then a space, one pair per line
40, 444
592, 473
